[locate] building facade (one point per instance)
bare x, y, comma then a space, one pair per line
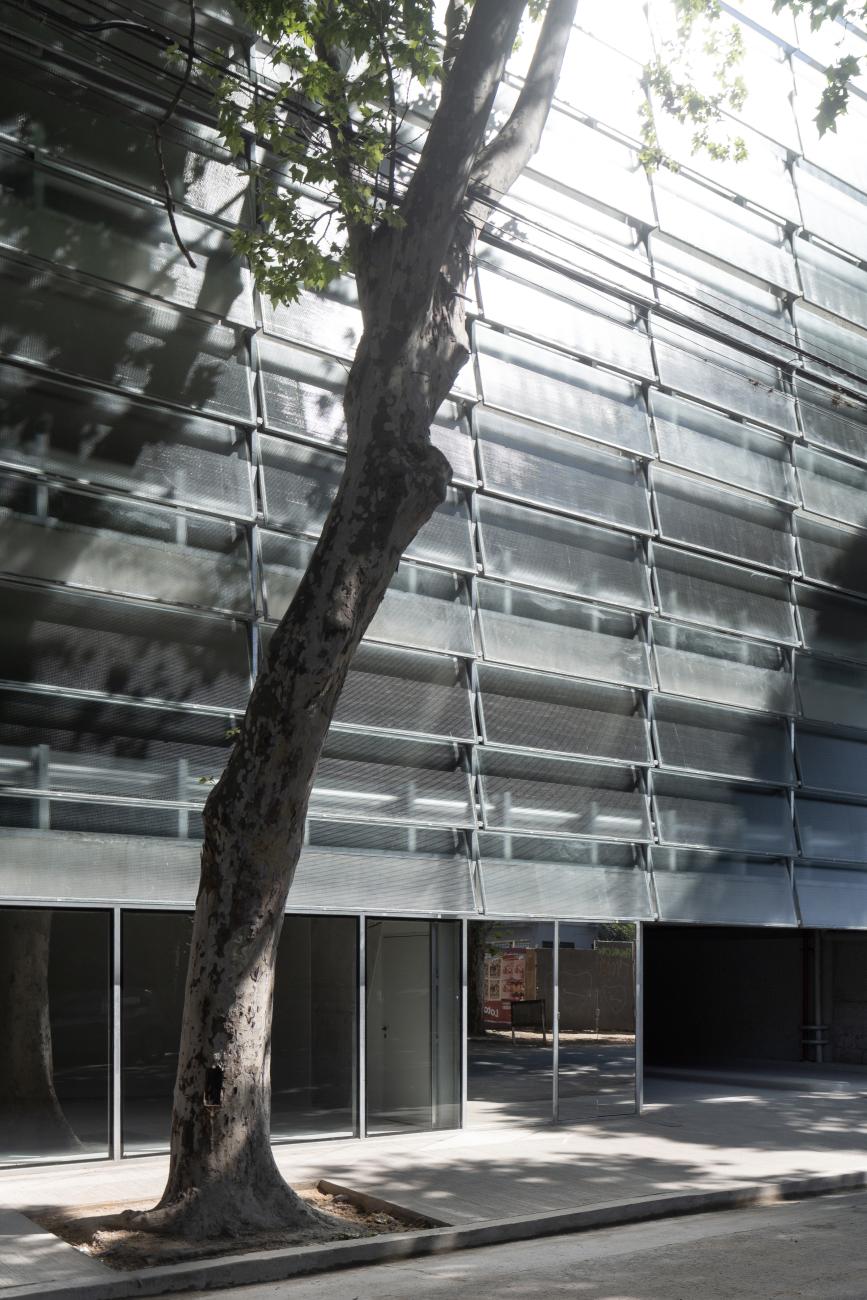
619, 682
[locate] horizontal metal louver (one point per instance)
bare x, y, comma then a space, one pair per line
832, 898
722, 522
694, 738
696, 813
724, 596
53, 865
399, 690
549, 552
715, 889
538, 877
92, 643
722, 669
381, 881
175, 459
836, 832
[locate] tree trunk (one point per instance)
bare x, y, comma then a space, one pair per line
223, 1177
31, 1114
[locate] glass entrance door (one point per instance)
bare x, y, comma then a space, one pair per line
510, 1013
413, 1025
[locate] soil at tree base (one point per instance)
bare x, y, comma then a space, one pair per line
121, 1248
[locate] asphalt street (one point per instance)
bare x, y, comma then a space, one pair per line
814, 1250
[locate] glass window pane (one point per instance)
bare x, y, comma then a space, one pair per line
560, 636
723, 595
545, 551
522, 377
547, 469
510, 1048
55, 1021
723, 522
313, 1041
552, 714
716, 815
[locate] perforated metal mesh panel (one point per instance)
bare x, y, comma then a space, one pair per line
120, 547
723, 669
544, 551
722, 890
548, 469
121, 241
832, 898
697, 813
381, 882
124, 445
721, 742
832, 763
559, 636
698, 439
544, 795
723, 595
722, 522
86, 642
552, 714
398, 690
124, 342
53, 865
833, 555
518, 887
833, 831
832, 692
831, 624
518, 376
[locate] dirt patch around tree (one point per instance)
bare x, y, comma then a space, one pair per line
90, 1230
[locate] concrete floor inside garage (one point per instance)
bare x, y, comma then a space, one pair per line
723, 1003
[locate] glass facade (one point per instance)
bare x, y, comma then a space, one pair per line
621, 675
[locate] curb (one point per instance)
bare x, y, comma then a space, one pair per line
302, 1261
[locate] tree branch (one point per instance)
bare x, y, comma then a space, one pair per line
435, 196
501, 162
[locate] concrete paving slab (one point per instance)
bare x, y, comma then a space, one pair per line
30, 1256
692, 1139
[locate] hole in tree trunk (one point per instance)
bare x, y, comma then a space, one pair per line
213, 1086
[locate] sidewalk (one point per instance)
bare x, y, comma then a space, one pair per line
692, 1137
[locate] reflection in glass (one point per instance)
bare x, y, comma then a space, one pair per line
313, 1047
155, 948
314, 1037
54, 1019
596, 1062
413, 1025
510, 995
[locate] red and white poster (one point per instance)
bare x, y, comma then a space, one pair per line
504, 983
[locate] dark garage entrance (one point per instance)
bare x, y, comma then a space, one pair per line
773, 1001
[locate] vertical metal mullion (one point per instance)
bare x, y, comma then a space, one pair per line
639, 1016
116, 1118
362, 1026
555, 1030
464, 1019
